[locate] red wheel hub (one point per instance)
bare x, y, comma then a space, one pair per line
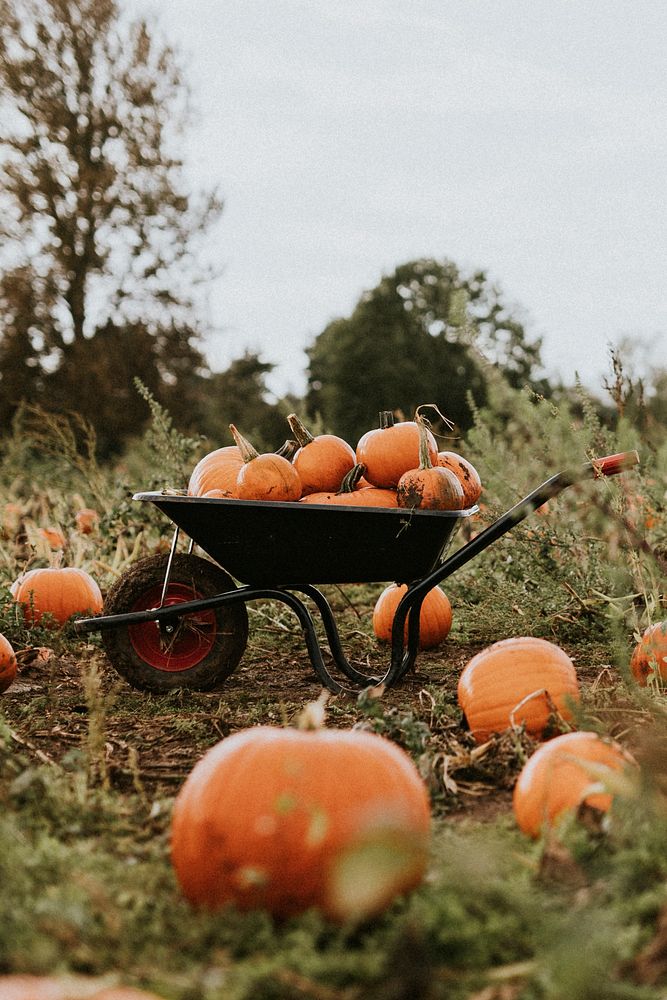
180, 644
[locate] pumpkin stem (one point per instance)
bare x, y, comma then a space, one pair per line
243, 445
424, 456
299, 430
351, 478
434, 406
313, 715
288, 449
386, 419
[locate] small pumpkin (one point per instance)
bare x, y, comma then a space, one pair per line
264, 477
563, 774
391, 449
216, 471
87, 520
8, 665
282, 820
351, 495
466, 473
429, 486
650, 654
57, 591
54, 537
517, 681
321, 460
435, 616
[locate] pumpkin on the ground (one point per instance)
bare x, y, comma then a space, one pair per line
8, 665
284, 820
517, 681
561, 775
87, 520
321, 460
57, 591
266, 476
435, 616
650, 654
391, 449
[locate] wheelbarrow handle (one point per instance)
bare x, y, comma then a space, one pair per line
410, 603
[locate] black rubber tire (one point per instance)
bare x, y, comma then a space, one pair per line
206, 580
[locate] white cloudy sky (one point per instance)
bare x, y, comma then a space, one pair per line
526, 137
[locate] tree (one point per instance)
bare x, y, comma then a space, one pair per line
99, 234
423, 335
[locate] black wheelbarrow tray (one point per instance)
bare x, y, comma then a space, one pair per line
180, 620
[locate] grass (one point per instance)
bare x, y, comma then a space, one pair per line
89, 768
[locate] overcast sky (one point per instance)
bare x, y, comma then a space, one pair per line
525, 137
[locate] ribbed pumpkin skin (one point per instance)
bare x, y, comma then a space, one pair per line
268, 477
389, 452
650, 653
465, 472
216, 471
555, 778
25, 987
497, 679
435, 617
436, 488
60, 592
265, 815
8, 665
323, 463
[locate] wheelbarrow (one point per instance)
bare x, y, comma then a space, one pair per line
180, 620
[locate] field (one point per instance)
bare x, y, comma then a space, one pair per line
90, 767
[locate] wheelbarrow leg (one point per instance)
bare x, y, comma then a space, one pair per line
333, 638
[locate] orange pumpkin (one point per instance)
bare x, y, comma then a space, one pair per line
351, 495
465, 472
321, 461
264, 477
54, 537
280, 819
435, 616
86, 519
26, 987
59, 592
561, 775
216, 471
391, 449
517, 681
8, 664
429, 486
650, 654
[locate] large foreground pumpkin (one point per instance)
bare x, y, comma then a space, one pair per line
285, 820
561, 775
517, 681
60, 592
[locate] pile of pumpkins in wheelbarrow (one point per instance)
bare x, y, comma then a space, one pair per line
291, 818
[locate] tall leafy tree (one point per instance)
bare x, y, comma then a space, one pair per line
99, 234
423, 335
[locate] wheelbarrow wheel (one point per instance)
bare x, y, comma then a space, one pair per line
197, 651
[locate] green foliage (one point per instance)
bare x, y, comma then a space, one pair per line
421, 335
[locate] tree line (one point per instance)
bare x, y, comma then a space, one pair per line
103, 261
